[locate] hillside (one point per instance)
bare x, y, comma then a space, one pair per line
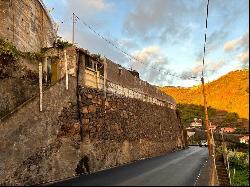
229, 93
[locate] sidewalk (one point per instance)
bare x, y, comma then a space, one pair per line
205, 175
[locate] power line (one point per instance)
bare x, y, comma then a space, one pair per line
205, 42
131, 57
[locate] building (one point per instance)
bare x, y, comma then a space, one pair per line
212, 127
103, 74
227, 130
197, 123
244, 139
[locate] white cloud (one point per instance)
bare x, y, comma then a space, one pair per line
241, 46
211, 67
242, 42
229, 46
161, 20
149, 54
88, 6
244, 57
98, 4
153, 65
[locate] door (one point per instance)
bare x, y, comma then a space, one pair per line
54, 72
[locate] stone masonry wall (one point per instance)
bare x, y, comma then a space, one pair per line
116, 131
26, 24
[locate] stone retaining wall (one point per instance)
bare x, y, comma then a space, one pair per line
116, 131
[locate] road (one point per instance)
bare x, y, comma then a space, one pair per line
180, 168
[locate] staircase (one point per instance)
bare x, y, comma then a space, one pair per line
26, 129
222, 171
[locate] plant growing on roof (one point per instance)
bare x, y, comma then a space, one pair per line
62, 44
97, 57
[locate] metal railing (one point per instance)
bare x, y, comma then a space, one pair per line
226, 162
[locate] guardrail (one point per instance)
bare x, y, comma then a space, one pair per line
226, 162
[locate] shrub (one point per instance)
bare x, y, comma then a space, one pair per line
62, 44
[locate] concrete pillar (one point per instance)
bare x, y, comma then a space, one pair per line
41, 85
66, 69
105, 77
83, 73
97, 79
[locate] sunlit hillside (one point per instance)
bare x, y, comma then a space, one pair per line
230, 93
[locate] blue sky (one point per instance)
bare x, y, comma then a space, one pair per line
164, 34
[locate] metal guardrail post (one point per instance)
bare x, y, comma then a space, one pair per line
228, 169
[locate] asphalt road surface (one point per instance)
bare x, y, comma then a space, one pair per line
180, 168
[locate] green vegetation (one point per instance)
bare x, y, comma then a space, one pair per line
189, 111
10, 52
231, 117
239, 177
239, 168
7, 50
60, 44
97, 57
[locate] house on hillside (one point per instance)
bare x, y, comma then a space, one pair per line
227, 130
212, 127
244, 139
197, 123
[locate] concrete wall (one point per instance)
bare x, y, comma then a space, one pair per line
116, 131
126, 79
26, 24
18, 83
28, 130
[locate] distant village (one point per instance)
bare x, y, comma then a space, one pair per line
196, 124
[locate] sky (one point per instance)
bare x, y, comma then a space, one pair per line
166, 36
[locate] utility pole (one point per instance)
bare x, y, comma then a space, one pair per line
74, 21
209, 140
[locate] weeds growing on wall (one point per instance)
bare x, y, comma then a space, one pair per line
10, 52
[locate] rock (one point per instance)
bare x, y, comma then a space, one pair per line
32, 168
95, 101
92, 108
85, 110
89, 96
85, 121
107, 105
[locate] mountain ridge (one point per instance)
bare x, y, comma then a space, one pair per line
230, 93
